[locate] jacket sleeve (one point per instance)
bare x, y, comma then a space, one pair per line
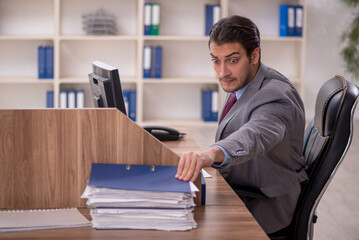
270, 116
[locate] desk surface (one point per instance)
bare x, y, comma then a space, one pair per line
223, 217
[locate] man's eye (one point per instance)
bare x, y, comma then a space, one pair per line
233, 60
214, 60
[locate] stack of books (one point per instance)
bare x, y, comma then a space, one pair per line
99, 23
124, 196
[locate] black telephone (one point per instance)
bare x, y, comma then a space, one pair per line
164, 133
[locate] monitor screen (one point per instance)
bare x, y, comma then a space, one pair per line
106, 86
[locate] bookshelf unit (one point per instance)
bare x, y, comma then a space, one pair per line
186, 68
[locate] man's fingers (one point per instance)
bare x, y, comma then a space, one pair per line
189, 166
183, 165
192, 167
180, 166
196, 172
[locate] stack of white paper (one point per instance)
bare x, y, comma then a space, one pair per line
22, 220
117, 208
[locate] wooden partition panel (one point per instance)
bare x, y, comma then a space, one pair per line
46, 155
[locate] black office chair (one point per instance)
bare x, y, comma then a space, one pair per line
326, 141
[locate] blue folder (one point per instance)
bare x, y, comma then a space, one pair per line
50, 99
209, 18
206, 105
158, 62
283, 20
126, 99
147, 19
132, 105
49, 62
298, 20
41, 58
137, 177
208, 115
147, 61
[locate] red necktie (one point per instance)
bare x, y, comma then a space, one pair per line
232, 100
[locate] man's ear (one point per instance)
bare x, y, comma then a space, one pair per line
255, 56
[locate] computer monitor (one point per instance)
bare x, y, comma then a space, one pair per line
106, 86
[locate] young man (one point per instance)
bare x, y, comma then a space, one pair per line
259, 141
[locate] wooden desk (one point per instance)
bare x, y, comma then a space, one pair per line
223, 217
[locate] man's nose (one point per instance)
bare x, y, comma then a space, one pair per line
223, 71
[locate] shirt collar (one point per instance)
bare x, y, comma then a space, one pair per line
241, 91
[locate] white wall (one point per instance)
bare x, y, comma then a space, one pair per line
326, 21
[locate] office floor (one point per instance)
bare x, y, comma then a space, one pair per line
338, 210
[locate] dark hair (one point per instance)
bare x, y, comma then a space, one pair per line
236, 29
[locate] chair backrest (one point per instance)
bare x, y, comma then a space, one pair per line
326, 141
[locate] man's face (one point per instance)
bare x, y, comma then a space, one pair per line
232, 65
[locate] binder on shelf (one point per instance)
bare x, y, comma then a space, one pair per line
147, 61
132, 105
287, 20
155, 18
213, 14
158, 62
80, 99
50, 99
283, 20
126, 100
41, 62
147, 19
214, 105
209, 105
298, 20
291, 20
49, 62
71, 99
63, 99
206, 112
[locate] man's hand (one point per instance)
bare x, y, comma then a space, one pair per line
191, 163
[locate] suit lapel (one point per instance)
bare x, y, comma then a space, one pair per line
253, 87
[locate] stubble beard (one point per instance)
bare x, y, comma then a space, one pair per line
240, 85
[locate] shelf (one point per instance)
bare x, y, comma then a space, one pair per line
176, 38
206, 38
99, 37
180, 80
281, 39
85, 80
27, 37
24, 80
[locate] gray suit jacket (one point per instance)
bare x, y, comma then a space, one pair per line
263, 133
